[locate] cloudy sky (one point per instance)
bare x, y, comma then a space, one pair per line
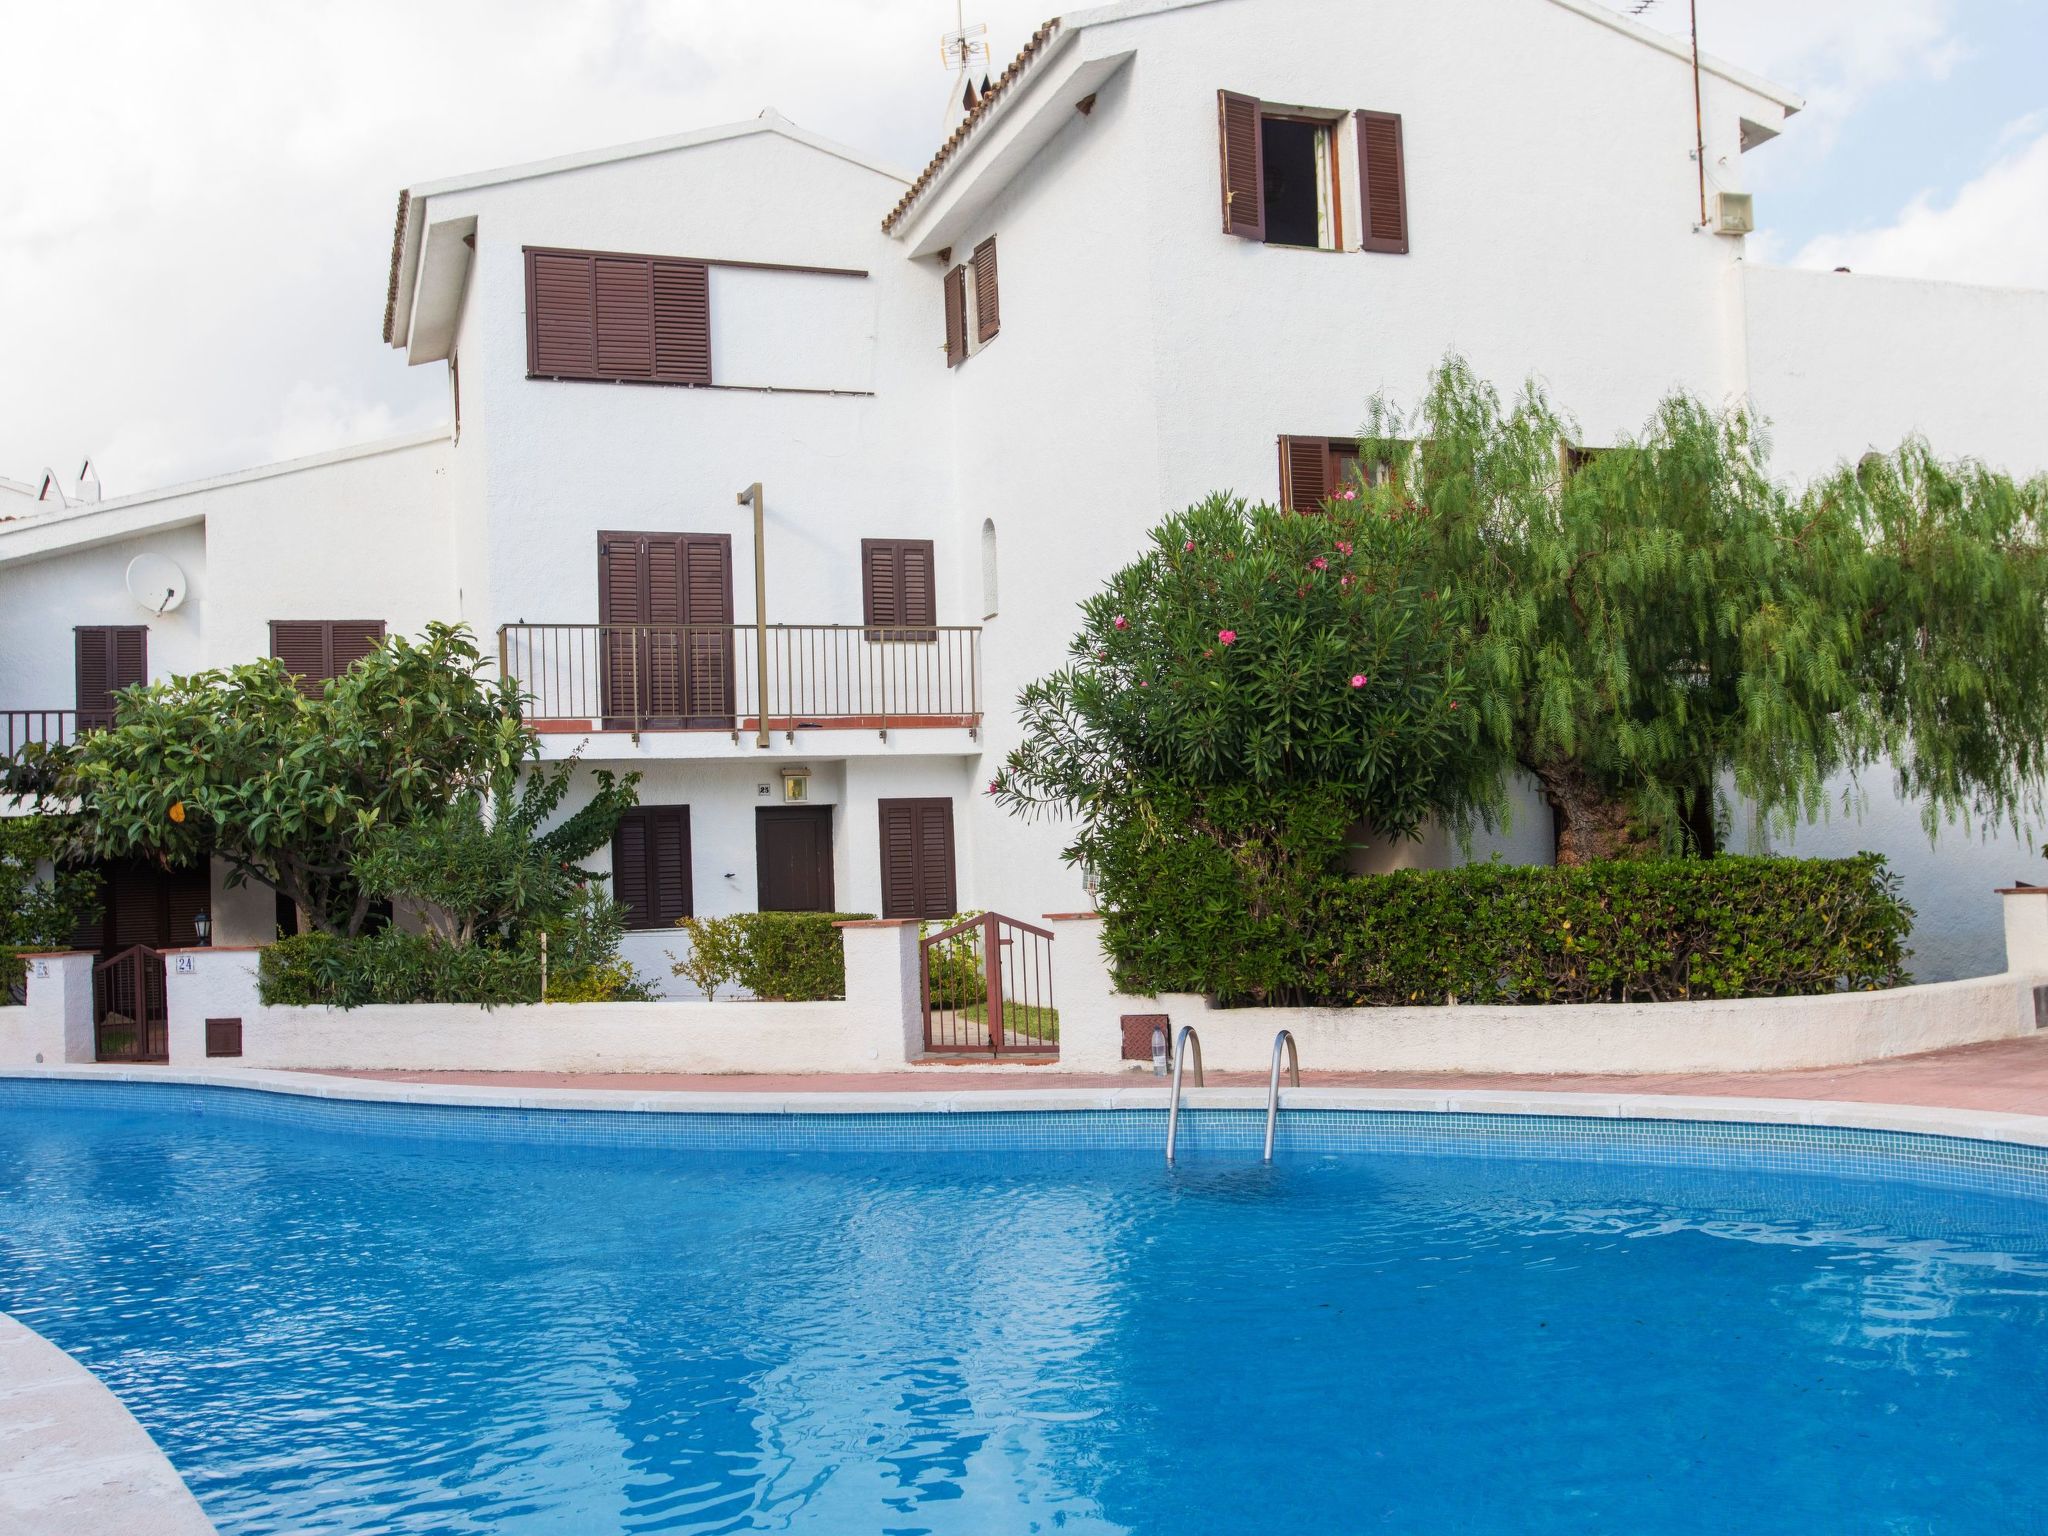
196, 195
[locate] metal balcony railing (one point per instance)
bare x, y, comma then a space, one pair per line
36, 727
683, 677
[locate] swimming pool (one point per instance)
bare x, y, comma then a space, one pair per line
340, 1318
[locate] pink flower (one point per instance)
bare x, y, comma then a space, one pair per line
1121, 622
1347, 494
1454, 703
1343, 581
1320, 563
1143, 684
1343, 548
993, 786
1226, 637
1189, 546
1358, 679
1102, 655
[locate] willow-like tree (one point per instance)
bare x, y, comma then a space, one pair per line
1646, 626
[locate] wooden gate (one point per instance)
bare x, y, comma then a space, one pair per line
988, 989
130, 1012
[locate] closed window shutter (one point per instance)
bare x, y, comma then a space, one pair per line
956, 317
625, 317
917, 858
987, 303
1383, 179
1244, 197
898, 589
651, 865
682, 322
591, 315
314, 650
107, 658
561, 315
706, 573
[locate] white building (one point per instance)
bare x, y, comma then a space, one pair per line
633, 337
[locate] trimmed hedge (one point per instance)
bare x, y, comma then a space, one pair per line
393, 966
792, 957
1627, 931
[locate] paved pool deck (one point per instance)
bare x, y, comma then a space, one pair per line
2001, 1076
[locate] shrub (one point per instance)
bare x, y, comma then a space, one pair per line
394, 966
796, 957
1622, 931
13, 976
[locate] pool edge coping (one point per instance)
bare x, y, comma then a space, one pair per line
52, 1405
1994, 1126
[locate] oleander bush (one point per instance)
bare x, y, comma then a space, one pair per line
792, 957
1649, 930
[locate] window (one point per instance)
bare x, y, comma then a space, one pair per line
1571, 458
917, 858
314, 650
988, 568
664, 607
1313, 469
972, 285
896, 589
1284, 175
651, 865
109, 657
595, 315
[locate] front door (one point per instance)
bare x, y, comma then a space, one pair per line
665, 614
793, 856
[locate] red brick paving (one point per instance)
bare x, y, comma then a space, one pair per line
2002, 1075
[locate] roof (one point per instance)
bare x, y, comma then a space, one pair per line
87, 523
1071, 25
411, 201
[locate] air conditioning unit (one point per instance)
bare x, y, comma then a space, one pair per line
1734, 213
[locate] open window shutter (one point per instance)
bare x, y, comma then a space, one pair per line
1304, 473
1244, 166
1343, 468
987, 304
956, 317
630, 869
1383, 177
561, 315
625, 317
682, 322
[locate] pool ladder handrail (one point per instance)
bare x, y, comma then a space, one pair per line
1187, 1038
1286, 1038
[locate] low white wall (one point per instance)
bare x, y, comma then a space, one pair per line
875, 1028
55, 1025
1743, 1035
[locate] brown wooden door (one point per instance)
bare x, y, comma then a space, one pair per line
793, 858
665, 601
917, 858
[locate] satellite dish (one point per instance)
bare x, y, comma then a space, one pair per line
156, 582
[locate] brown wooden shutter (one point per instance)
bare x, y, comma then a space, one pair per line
917, 858
1244, 165
682, 322
625, 317
314, 650
1383, 179
561, 315
706, 574
1304, 473
651, 865
956, 317
107, 658
987, 304
592, 315
898, 589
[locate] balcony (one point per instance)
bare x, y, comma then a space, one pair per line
37, 727
637, 678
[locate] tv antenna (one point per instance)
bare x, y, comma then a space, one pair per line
964, 51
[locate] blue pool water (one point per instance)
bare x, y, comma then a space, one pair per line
333, 1331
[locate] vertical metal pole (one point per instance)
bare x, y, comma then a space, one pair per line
1699, 113
752, 494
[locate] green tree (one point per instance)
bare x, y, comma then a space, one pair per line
1259, 682
1665, 619
41, 903
489, 867
284, 788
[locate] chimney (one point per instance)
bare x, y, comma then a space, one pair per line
88, 483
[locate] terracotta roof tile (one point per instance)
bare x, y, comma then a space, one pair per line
959, 135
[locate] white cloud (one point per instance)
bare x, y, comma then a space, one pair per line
1994, 230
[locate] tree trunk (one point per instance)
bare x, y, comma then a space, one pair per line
1702, 829
1591, 824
